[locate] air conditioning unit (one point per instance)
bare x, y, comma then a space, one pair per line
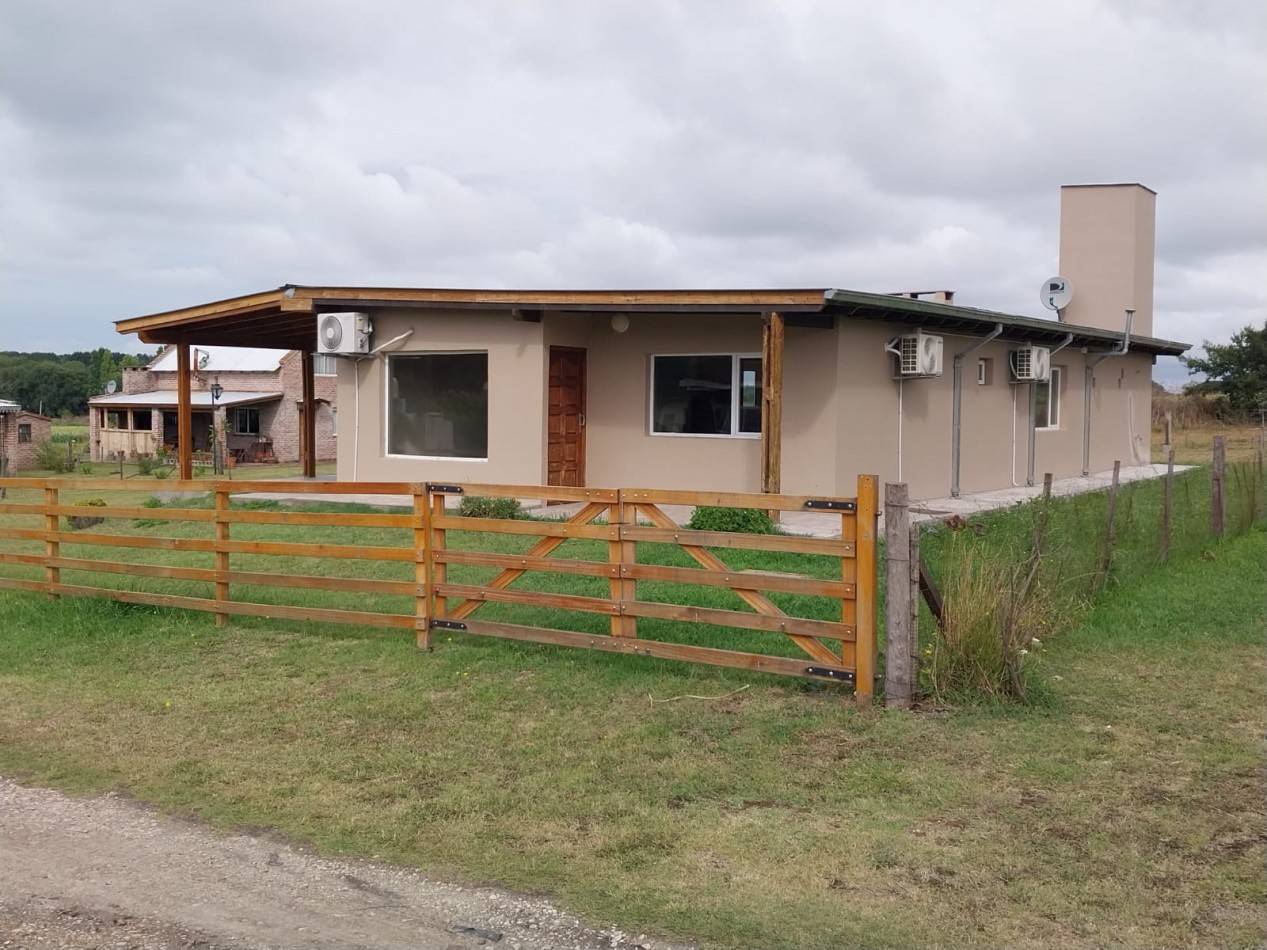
1031, 364
345, 333
920, 355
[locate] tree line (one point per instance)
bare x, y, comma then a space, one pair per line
61, 384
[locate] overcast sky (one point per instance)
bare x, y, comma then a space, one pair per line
160, 154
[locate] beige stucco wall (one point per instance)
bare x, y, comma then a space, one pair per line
840, 412
516, 424
621, 451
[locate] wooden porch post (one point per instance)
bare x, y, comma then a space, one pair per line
772, 404
308, 418
184, 413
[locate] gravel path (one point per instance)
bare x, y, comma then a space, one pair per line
106, 873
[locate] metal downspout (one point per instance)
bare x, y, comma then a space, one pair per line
957, 405
1119, 349
1033, 412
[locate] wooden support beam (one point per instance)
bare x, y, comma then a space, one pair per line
308, 417
772, 403
184, 414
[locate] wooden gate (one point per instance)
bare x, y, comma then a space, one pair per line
842, 648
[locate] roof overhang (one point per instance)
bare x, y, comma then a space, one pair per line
169, 399
970, 321
283, 318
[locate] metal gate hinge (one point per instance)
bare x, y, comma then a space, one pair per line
825, 505
828, 673
444, 489
447, 624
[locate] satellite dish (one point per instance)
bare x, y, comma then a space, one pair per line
1055, 293
111, 386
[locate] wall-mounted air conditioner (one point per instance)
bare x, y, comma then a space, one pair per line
343, 333
1031, 364
919, 355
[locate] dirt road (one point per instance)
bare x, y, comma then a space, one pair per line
103, 873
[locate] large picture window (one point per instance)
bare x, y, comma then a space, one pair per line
438, 405
1047, 411
706, 395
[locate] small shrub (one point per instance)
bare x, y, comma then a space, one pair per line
161, 471
51, 457
738, 520
480, 506
79, 522
145, 465
85, 468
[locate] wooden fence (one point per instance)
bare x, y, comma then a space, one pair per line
210, 558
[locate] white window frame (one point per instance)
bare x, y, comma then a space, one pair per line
387, 405
1054, 386
325, 359
736, 395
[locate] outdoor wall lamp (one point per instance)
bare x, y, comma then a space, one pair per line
620, 322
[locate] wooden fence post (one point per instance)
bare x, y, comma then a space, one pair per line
1167, 501
1218, 503
52, 575
1106, 558
422, 566
898, 662
222, 550
865, 590
619, 553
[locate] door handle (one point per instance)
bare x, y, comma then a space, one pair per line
581, 419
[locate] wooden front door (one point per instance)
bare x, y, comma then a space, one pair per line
565, 427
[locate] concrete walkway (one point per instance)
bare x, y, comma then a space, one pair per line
809, 524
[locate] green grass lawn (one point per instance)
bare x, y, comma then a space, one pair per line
1122, 808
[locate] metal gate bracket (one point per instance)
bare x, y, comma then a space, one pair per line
443, 624
444, 489
843, 675
822, 504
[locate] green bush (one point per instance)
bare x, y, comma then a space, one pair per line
51, 456
480, 506
79, 522
739, 520
146, 464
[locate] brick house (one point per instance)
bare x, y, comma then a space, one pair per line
21, 433
257, 406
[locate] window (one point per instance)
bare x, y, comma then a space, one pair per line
142, 420
24, 432
116, 419
323, 364
438, 405
1047, 411
246, 420
985, 371
706, 395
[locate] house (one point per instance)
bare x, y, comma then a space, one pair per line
253, 396
773, 390
21, 433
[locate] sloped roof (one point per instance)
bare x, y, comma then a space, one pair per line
168, 399
286, 315
8, 405
222, 359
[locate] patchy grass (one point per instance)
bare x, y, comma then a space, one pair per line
1195, 446
1124, 808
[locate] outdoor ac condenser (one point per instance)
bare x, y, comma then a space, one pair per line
1031, 364
343, 334
920, 355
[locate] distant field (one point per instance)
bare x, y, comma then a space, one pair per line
1194, 446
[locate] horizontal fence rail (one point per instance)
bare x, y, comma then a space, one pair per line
626, 560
